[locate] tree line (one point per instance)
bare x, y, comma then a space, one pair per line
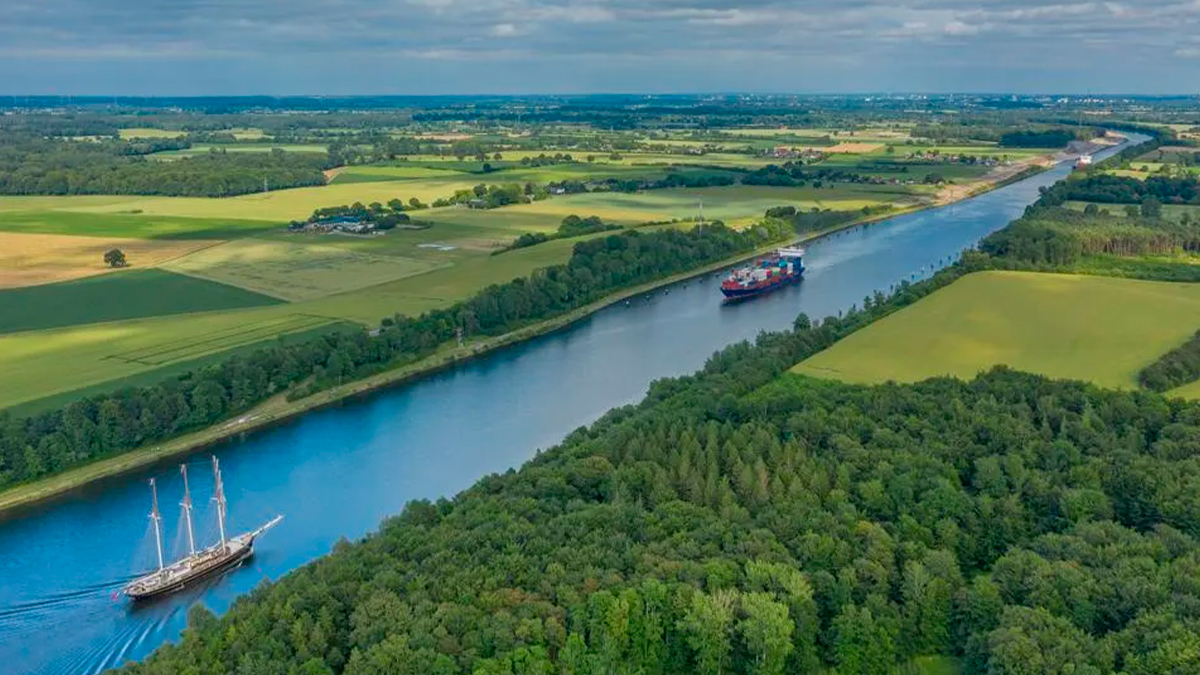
1110, 189
743, 521
66, 167
571, 226
115, 422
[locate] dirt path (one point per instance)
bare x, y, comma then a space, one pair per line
330, 174
960, 191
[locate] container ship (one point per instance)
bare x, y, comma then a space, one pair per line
764, 275
226, 554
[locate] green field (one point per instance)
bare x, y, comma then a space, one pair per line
1099, 329
725, 203
38, 364
297, 269
128, 224
201, 148
135, 133
132, 294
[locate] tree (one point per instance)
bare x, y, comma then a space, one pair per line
1151, 208
115, 257
766, 631
706, 624
1091, 210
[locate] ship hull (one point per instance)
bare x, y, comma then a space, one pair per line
747, 292
210, 568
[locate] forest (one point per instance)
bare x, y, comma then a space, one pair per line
35, 166
746, 521
1109, 189
108, 424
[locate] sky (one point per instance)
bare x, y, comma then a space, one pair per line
413, 47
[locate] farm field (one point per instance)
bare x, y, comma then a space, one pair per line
130, 294
147, 132
37, 364
1099, 329
295, 270
1170, 211
127, 222
48, 363
29, 259
280, 206
724, 203
201, 148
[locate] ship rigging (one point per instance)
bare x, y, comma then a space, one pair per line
224, 555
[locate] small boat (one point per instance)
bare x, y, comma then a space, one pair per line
221, 556
764, 275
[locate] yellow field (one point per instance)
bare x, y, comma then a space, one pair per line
296, 270
1100, 329
284, 205
32, 259
853, 148
149, 133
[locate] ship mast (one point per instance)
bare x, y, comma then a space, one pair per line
157, 519
220, 497
187, 510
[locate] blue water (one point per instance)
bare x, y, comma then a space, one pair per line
336, 473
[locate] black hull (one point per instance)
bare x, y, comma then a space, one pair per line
223, 566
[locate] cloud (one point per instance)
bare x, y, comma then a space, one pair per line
562, 45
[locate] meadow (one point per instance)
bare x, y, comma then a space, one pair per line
126, 220
730, 203
38, 364
296, 270
131, 294
1099, 329
32, 259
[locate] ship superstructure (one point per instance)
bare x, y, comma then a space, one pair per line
765, 274
229, 552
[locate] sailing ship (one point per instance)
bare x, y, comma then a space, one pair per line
221, 556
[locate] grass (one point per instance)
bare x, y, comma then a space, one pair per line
124, 220
134, 133
279, 206
932, 665
1099, 329
1170, 211
153, 376
725, 203
132, 294
296, 270
32, 259
43, 363
201, 148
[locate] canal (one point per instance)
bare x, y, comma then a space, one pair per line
337, 472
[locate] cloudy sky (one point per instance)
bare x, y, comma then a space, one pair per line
198, 47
